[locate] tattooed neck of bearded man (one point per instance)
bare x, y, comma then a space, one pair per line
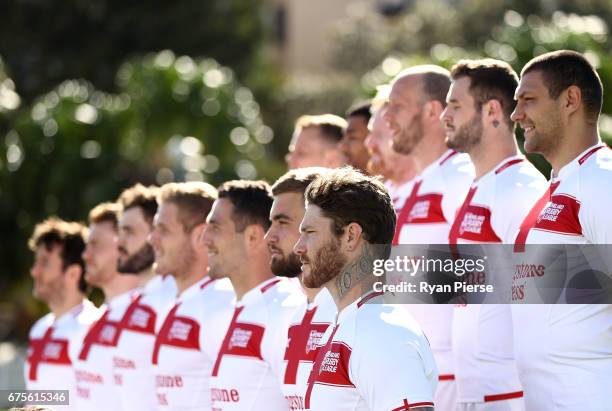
358, 273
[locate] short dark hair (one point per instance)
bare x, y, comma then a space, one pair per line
489, 80
194, 200
105, 213
436, 85
252, 201
362, 109
331, 127
69, 236
347, 195
564, 68
296, 181
140, 196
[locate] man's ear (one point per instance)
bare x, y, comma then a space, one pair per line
432, 111
493, 113
571, 99
73, 274
352, 236
254, 235
195, 237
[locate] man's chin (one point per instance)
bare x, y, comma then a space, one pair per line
309, 280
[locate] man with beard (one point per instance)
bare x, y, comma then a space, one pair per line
375, 356
246, 375
564, 351
143, 316
315, 142
352, 143
100, 256
417, 99
477, 122
119, 339
188, 340
314, 316
397, 169
58, 281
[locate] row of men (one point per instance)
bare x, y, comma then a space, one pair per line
373, 356
491, 194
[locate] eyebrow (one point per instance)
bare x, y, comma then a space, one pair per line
453, 100
280, 216
520, 94
305, 227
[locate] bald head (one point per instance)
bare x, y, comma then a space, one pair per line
432, 82
417, 98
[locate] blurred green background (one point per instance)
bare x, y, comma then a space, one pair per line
95, 96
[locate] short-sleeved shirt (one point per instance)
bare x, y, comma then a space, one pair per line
374, 358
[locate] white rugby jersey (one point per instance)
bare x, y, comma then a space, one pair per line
482, 343
52, 348
430, 207
187, 345
245, 375
564, 351
93, 366
425, 218
375, 358
132, 357
399, 193
308, 325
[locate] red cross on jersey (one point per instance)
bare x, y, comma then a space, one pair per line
570, 363
482, 347
132, 359
307, 327
376, 358
53, 347
246, 374
187, 344
93, 366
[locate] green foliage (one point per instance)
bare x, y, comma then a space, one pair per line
173, 118
47, 41
517, 40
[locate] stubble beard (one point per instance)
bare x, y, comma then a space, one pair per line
327, 264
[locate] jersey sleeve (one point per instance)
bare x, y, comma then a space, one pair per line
513, 201
275, 339
393, 376
595, 215
456, 186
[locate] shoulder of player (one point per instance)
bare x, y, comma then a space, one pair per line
594, 174
41, 325
456, 168
88, 315
282, 294
380, 325
522, 180
457, 162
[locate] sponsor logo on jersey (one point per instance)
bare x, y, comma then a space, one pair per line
108, 333
472, 223
313, 340
240, 338
330, 362
53, 350
420, 210
551, 213
140, 318
180, 330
